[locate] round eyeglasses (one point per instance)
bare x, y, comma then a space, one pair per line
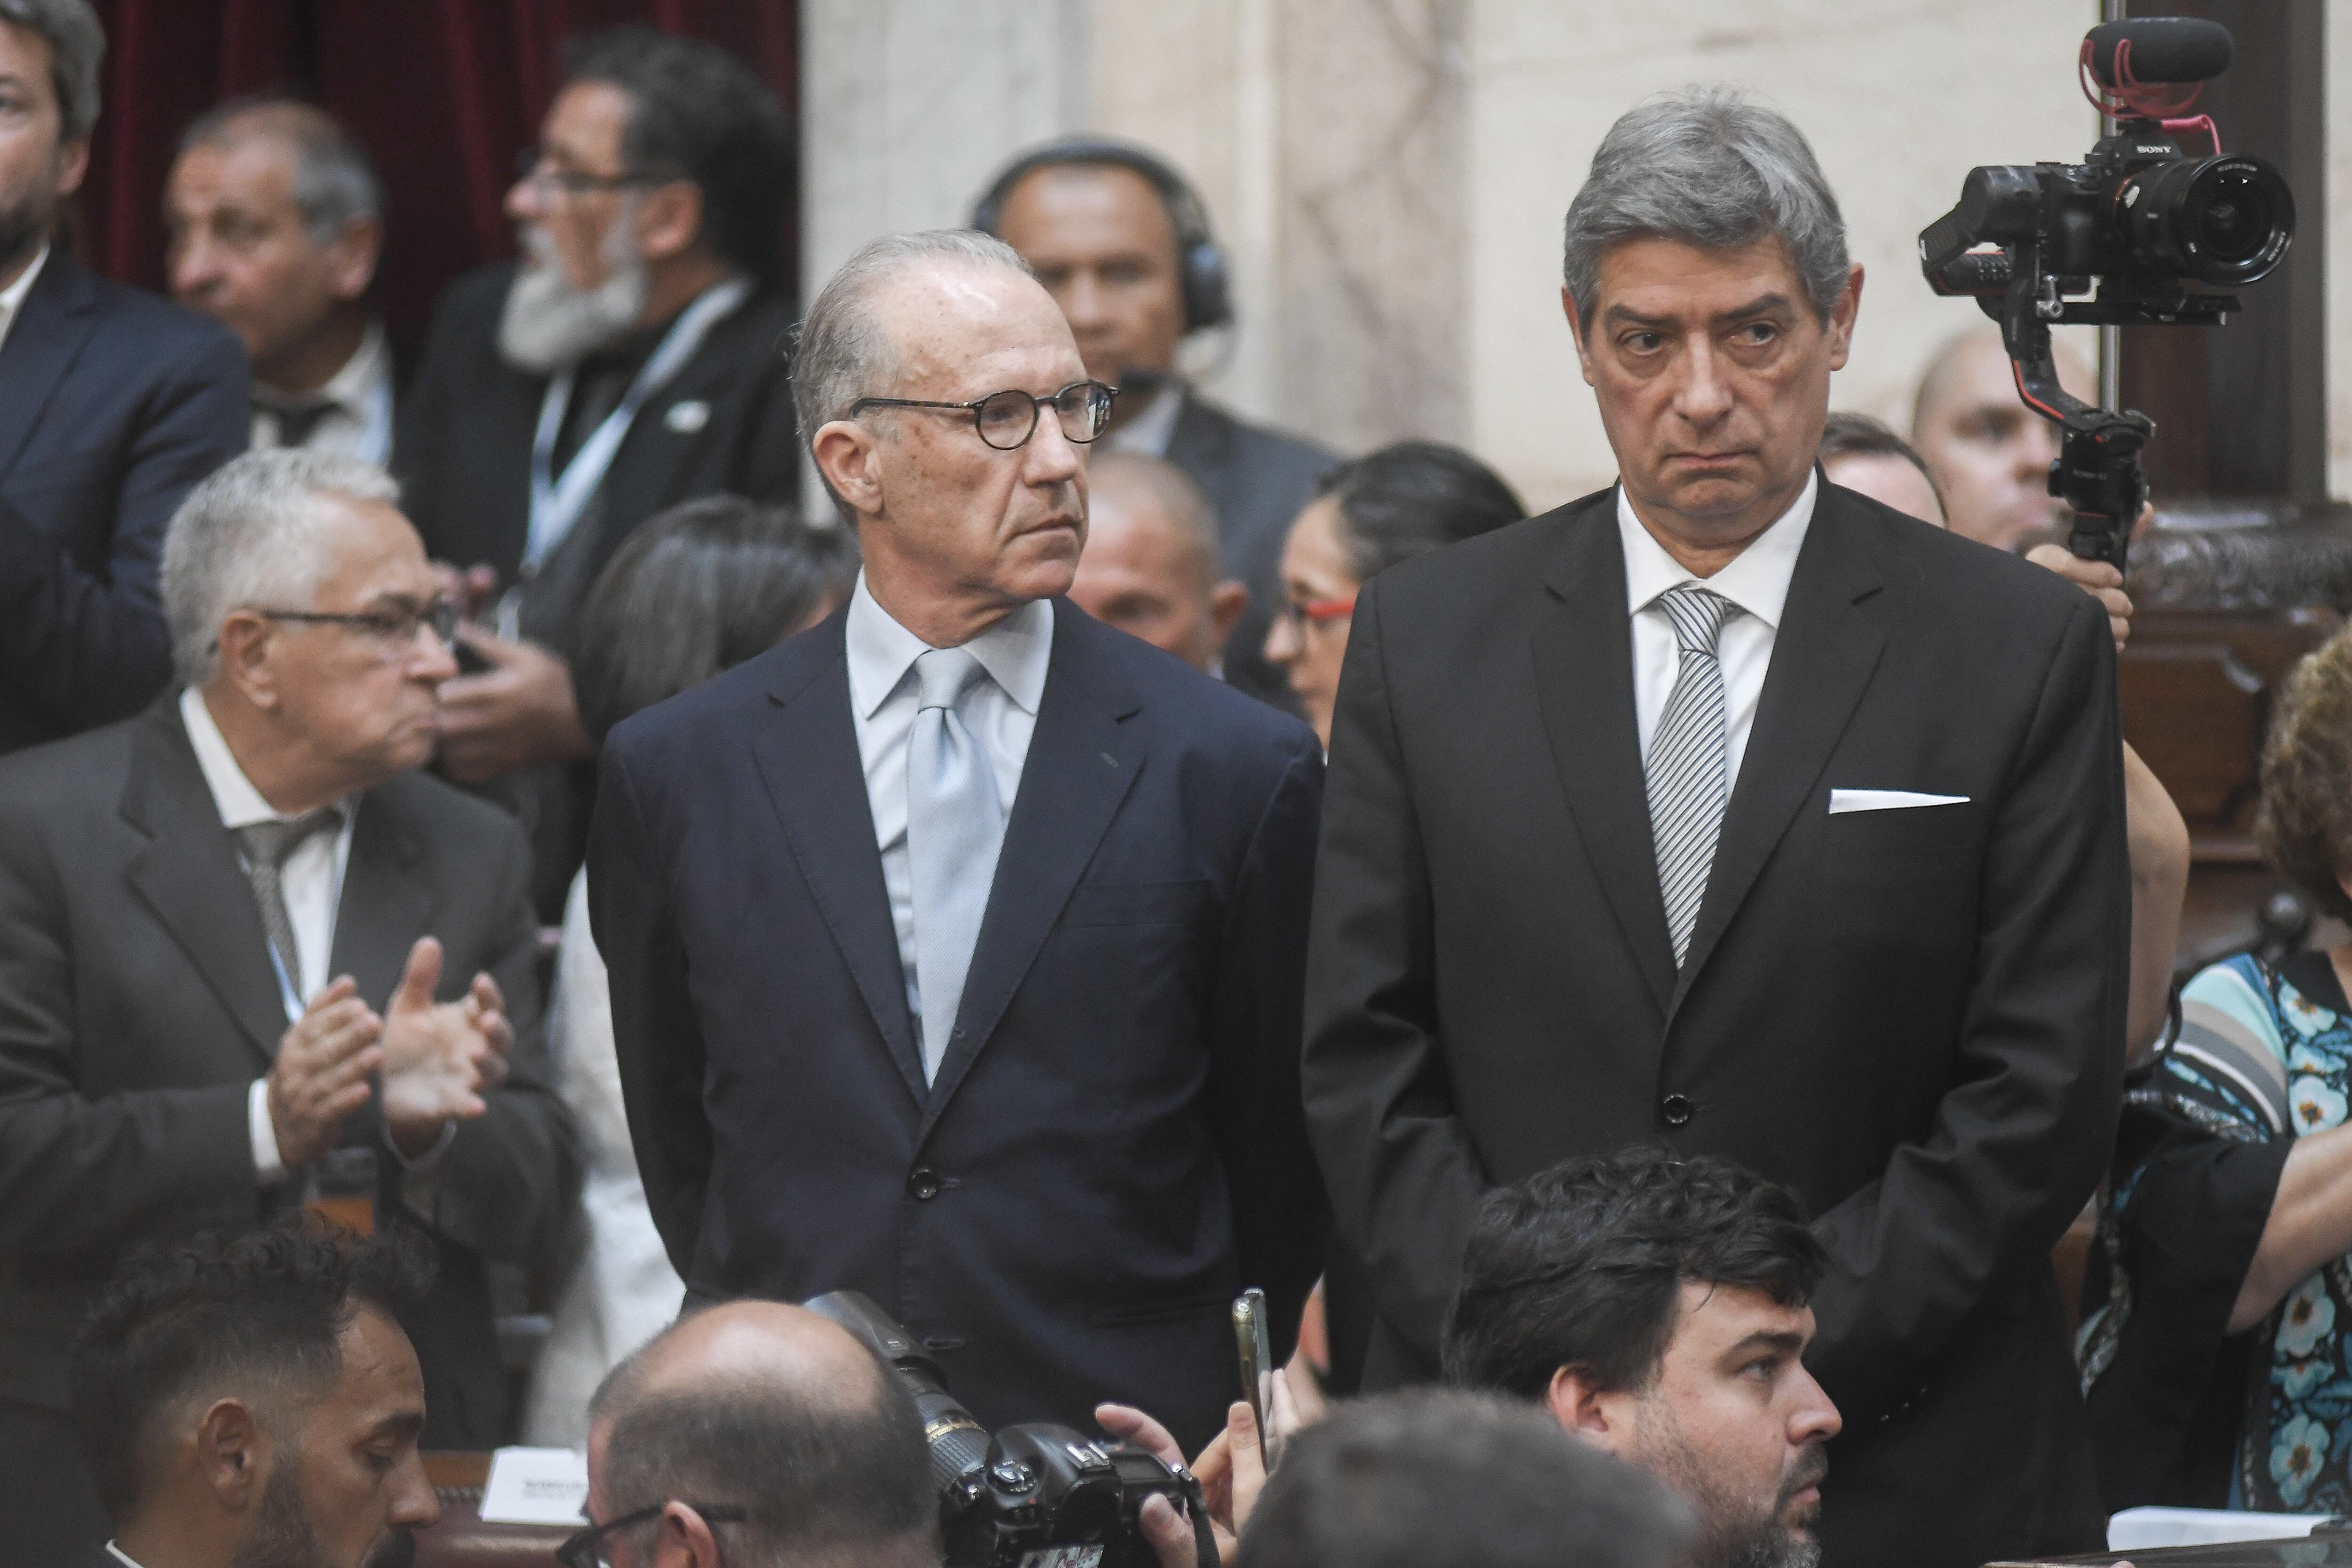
1006, 420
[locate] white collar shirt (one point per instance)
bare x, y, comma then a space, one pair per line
1757, 581
12, 298
1001, 711
312, 882
122, 1556
1150, 430
358, 421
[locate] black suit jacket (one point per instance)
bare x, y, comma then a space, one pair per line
462, 452
113, 404
1113, 1149
463, 446
138, 1004
1259, 481
1912, 1017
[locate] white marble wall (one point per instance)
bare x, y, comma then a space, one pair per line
1389, 176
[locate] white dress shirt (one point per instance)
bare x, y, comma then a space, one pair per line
312, 882
122, 1556
1001, 712
12, 298
1757, 581
1148, 432
358, 421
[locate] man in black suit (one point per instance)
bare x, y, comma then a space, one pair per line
1122, 242
111, 404
633, 360
277, 225
1733, 812
223, 924
1041, 1104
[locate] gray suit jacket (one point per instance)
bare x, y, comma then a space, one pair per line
138, 1004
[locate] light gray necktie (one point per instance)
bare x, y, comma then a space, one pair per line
1688, 767
954, 829
266, 847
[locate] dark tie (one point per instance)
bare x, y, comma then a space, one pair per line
296, 421
1686, 767
267, 846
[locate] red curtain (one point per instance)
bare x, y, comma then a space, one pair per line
441, 93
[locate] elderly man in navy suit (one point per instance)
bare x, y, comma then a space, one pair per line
957, 945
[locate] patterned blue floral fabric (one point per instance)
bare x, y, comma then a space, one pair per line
2258, 1058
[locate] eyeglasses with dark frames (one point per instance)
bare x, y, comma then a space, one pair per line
1006, 420
532, 165
394, 626
588, 1549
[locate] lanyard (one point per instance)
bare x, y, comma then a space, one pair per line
289, 991
556, 503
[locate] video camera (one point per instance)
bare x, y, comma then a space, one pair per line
2141, 217
1035, 1495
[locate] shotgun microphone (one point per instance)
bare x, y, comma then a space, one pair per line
2158, 50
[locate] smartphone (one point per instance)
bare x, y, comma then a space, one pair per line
1255, 1342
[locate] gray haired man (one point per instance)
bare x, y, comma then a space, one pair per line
1775, 826
251, 958
277, 224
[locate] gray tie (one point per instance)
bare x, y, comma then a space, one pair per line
267, 846
1689, 762
954, 829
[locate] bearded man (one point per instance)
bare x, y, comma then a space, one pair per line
628, 363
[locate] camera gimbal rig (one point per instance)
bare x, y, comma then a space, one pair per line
2140, 215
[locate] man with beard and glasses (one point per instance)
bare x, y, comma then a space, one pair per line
113, 405
254, 1403
1122, 242
1660, 1308
629, 363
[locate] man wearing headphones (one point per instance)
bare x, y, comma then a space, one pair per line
1122, 242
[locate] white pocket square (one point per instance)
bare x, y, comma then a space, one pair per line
1845, 800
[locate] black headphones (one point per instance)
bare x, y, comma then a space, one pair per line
1199, 260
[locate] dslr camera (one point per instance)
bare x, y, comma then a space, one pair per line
1035, 1495
2140, 232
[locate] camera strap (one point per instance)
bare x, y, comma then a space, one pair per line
1204, 1534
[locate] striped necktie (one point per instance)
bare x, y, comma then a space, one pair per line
1688, 766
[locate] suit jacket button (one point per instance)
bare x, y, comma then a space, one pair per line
923, 1184
1675, 1110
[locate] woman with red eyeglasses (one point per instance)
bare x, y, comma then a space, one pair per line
1403, 501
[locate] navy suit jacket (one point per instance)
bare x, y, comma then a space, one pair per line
1113, 1148
113, 405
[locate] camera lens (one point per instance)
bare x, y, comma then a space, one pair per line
2216, 220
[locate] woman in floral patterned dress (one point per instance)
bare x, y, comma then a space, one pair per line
2264, 1055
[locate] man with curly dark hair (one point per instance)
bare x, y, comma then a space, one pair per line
252, 1402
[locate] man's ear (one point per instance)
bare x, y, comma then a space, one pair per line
246, 640
846, 454
73, 163
1576, 331
685, 1540
1227, 600
1578, 1406
1842, 317
669, 220
352, 256
232, 1455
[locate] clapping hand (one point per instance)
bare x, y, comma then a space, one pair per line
322, 1072
439, 1057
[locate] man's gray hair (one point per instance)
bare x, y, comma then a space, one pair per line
334, 183
253, 536
844, 351
1706, 167
76, 44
